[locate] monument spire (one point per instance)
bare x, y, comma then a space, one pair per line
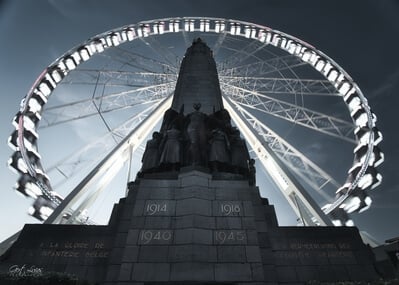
196, 130
198, 81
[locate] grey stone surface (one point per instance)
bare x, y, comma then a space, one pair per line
125, 271
130, 253
228, 223
193, 236
253, 253
245, 195
112, 272
231, 254
120, 239
194, 179
192, 253
116, 255
132, 237
233, 272
138, 209
286, 274
193, 206
137, 222
123, 226
267, 255
270, 216
226, 193
257, 272
361, 272
248, 208
278, 242
363, 257
306, 273
248, 223
195, 192
252, 237
194, 221
158, 223
162, 193
261, 226
192, 271
93, 273
235, 184
259, 212
78, 270
157, 183
153, 253
151, 272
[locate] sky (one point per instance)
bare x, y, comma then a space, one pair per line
360, 35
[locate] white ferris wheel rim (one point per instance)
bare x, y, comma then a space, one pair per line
56, 71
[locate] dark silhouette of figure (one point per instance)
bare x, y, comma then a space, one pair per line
196, 132
239, 153
251, 172
219, 150
168, 119
171, 150
150, 158
220, 119
225, 119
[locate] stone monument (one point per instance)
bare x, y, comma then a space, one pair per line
194, 214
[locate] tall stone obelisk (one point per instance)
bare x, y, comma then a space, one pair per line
198, 81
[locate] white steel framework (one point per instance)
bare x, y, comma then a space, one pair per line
260, 67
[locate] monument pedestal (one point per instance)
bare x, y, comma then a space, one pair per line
194, 229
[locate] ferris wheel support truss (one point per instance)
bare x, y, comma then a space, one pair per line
294, 159
108, 103
352, 196
303, 205
71, 165
109, 166
290, 112
262, 67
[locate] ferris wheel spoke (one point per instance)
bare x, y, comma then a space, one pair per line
317, 121
117, 78
240, 55
219, 42
135, 60
293, 86
309, 171
82, 109
186, 39
263, 67
74, 163
170, 58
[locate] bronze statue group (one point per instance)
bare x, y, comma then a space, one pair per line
197, 139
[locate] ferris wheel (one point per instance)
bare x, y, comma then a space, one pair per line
108, 94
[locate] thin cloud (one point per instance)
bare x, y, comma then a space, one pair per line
388, 87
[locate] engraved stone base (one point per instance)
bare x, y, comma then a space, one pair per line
194, 229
